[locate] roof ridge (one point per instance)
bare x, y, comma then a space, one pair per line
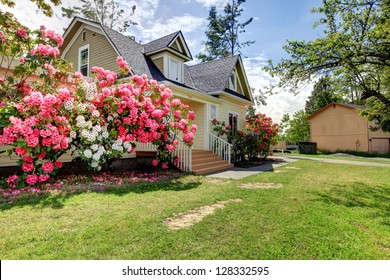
157, 39
215, 60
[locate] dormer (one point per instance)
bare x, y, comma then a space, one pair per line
169, 54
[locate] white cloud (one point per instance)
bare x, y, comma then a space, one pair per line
209, 3
186, 23
278, 104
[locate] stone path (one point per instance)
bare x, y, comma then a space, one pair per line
239, 173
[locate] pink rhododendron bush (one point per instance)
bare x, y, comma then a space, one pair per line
46, 112
255, 143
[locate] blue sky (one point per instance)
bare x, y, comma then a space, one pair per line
274, 22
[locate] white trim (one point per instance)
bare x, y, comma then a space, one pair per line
206, 127
245, 79
216, 111
179, 69
85, 47
192, 94
246, 102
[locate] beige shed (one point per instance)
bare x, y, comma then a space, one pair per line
338, 126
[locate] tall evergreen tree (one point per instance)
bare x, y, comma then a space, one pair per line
107, 12
323, 93
223, 32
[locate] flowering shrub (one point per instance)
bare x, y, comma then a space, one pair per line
110, 116
32, 116
255, 142
98, 121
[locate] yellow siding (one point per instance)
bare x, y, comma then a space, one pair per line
339, 128
199, 110
231, 106
101, 53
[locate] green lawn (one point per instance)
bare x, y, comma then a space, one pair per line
323, 211
330, 156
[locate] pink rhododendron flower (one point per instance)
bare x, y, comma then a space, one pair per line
164, 166
47, 167
32, 179
191, 115
20, 151
155, 162
21, 33
28, 167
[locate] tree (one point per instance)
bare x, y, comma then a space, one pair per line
323, 93
41, 4
297, 129
355, 49
223, 31
107, 12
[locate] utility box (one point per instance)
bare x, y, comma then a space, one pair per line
307, 148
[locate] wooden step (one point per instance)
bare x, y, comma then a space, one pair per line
207, 170
204, 162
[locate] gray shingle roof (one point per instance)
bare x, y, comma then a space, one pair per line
208, 77
160, 43
212, 76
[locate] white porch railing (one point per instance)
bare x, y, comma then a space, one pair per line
182, 152
220, 147
145, 147
184, 155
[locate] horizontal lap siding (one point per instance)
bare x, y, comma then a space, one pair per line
229, 107
101, 54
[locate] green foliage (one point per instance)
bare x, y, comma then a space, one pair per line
41, 4
223, 31
355, 49
107, 12
255, 142
297, 129
324, 92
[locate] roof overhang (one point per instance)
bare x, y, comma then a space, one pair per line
192, 93
241, 99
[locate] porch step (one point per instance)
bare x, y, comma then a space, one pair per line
204, 162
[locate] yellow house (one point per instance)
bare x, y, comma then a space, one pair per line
338, 126
216, 89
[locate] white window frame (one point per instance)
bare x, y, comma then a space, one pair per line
211, 111
179, 69
86, 47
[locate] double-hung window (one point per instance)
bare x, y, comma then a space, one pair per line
84, 60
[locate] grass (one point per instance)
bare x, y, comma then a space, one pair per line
330, 156
323, 211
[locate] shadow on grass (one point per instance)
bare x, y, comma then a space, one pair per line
57, 200
376, 198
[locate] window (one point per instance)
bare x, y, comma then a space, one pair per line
84, 36
213, 112
232, 81
174, 70
233, 122
84, 60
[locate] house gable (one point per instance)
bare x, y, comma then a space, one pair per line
218, 76
86, 45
